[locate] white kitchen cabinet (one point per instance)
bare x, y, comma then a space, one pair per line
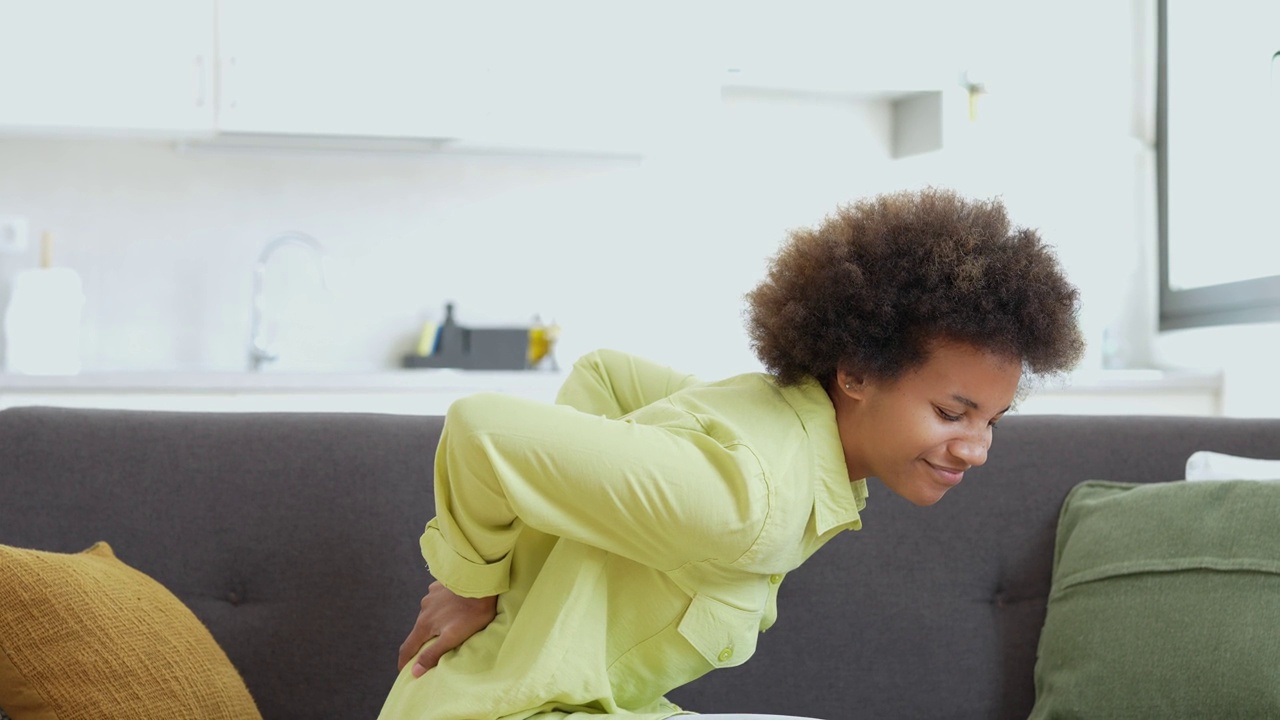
373, 68
131, 65
856, 48
589, 76
564, 75
555, 75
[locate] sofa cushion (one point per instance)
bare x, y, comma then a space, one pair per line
86, 636
1164, 602
1209, 465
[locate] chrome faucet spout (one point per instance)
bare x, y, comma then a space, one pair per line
259, 352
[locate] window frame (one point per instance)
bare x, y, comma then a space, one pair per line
1255, 300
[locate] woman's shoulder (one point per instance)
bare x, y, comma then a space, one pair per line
750, 409
739, 397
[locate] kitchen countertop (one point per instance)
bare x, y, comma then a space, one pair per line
1134, 380
432, 391
280, 382
1085, 381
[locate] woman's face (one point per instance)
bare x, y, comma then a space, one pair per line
920, 432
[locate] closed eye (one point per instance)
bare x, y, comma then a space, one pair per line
948, 416
957, 418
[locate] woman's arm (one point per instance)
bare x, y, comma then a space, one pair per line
613, 383
474, 501
662, 495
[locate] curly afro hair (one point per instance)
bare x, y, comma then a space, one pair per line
875, 284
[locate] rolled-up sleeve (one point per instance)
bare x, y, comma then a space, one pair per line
662, 496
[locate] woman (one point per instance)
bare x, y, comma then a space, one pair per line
592, 555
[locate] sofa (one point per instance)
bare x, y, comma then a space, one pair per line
293, 538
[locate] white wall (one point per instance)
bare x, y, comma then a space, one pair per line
650, 256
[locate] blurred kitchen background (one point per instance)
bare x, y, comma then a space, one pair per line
622, 170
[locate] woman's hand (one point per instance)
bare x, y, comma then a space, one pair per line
449, 618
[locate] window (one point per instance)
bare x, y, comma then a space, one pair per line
1218, 162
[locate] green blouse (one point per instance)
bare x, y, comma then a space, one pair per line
635, 534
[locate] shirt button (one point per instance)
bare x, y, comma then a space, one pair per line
725, 654
775, 579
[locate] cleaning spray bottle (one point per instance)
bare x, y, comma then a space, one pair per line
42, 322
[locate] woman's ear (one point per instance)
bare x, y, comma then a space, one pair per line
851, 383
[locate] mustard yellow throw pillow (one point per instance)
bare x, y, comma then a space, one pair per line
86, 636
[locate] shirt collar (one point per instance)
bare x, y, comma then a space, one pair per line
836, 500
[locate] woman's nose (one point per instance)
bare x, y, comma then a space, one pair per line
972, 449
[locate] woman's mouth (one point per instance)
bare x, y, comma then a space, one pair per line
947, 475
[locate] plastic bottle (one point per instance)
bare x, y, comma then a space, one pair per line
42, 322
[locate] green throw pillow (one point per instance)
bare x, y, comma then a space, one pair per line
1165, 603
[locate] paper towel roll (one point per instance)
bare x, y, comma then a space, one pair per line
42, 322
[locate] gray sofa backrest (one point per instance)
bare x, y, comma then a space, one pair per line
294, 538
936, 612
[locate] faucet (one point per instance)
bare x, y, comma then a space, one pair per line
259, 352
